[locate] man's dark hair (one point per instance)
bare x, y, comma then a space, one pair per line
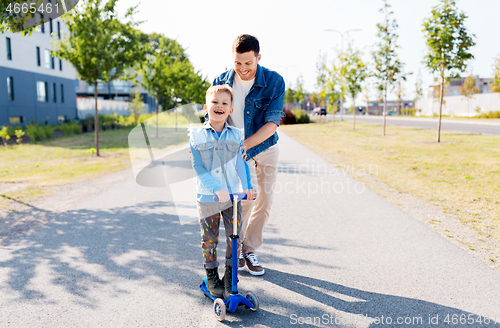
245, 43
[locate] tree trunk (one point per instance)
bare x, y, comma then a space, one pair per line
354, 109
96, 122
385, 104
440, 108
334, 112
157, 104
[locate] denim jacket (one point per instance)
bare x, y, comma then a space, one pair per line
263, 104
218, 167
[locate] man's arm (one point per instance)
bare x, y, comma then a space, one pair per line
265, 132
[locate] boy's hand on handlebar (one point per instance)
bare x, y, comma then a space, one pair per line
251, 194
223, 195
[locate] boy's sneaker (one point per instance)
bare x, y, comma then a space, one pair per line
214, 284
227, 280
242, 265
253, 265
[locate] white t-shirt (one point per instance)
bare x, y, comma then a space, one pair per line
240, 91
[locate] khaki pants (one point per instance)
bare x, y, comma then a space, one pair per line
263, 169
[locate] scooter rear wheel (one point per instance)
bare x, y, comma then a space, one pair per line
220, 309
253, 299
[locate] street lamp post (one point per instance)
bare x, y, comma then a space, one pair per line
342, 50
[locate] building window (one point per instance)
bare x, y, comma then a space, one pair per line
47, 58
54, 93
52, 62
10, 88
62, 93
41, 91
59, 30
77, 83
9, 49
38, 59
42, 25
50, 27
15, 119
60, 64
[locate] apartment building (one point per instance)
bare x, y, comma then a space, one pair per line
34, 85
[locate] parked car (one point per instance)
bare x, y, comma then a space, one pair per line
319, 111
391, 112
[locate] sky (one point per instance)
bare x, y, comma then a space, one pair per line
292, 32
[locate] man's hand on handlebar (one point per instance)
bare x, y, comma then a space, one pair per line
251, 194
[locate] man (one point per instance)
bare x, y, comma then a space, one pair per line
258, 99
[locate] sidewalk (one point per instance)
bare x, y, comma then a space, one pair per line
336, 255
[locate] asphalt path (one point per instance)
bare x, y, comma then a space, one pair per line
489, 128
336, 254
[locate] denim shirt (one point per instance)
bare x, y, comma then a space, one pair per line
263, 104
217, 161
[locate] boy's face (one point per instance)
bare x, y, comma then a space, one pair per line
218, 107
245, 64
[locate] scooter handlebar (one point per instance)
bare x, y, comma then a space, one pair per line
240, 196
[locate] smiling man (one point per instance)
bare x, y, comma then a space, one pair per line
258, 99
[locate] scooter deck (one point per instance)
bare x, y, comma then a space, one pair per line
232, 302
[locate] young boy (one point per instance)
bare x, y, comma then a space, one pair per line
220, 170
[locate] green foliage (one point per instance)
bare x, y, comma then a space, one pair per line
4, 135
468, 89
289, 95
69, 128
19, 134
34, 132
10, 21
168, 74
448, 41
388, 67
299, 93
136, 106
301, 116
419, 92
490, 114
353, 71
99, 45
495, 85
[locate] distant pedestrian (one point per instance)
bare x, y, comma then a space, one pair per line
258, 99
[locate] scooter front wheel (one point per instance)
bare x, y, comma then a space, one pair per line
220, 309
253, 299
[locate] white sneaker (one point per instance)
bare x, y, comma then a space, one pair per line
253, 265
242, 264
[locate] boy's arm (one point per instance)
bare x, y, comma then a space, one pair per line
206, 179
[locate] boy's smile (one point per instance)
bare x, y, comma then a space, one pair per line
219, 108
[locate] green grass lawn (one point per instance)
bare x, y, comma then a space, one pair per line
461, 174
65, 160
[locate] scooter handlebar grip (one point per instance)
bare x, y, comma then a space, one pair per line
240, 197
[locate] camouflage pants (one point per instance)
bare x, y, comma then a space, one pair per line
210, 225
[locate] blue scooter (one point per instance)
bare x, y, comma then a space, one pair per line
249, 300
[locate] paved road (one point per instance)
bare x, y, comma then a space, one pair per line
428, 123
334, 250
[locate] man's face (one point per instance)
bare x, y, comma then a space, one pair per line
245, 64
218, 107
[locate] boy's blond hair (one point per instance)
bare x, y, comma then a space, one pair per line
220, 88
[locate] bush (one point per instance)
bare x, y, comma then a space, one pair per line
301, 116
490, 114
70, 127
47, 130
4, 135
34, 132
289, 118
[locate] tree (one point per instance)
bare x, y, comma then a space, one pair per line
448, 44
469, 89
388, 67
299, 93
353, 72
495, 85
400, 93
314, 98
419, 92
100, 46
136, 106
366, 97
168, 74
289, 96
